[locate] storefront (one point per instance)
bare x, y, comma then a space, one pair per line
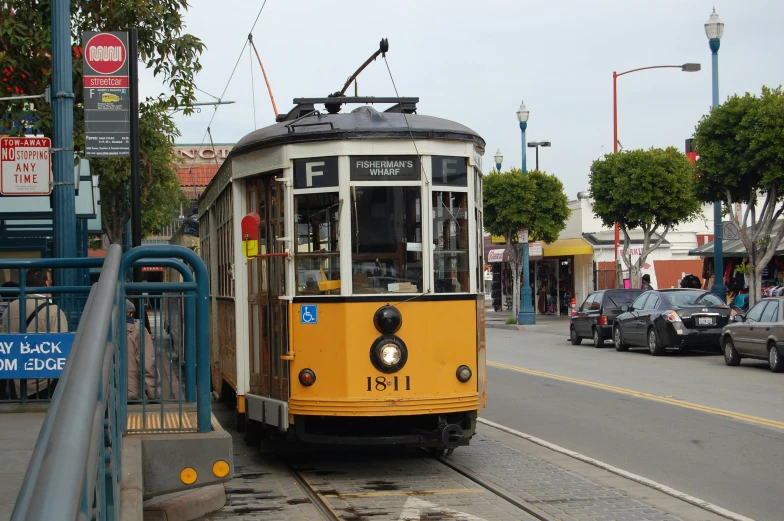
497, 257
563, 273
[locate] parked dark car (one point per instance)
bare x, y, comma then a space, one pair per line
759, 334
665, 318
594, 318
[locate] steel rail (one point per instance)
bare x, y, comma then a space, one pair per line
520, 503
318, 501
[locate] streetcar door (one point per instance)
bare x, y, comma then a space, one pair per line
268, 317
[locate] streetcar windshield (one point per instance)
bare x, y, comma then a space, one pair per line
450, 237
317, 256
386, 239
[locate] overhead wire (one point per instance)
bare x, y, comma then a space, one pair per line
225, 89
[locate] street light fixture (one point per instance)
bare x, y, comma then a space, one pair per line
526, 315
714, 30
536, 145
686, 67
498, 160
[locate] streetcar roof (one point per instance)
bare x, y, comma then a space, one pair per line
363, 122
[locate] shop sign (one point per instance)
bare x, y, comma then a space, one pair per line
496, 255
385, 168
535, 249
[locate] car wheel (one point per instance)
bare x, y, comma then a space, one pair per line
618, 339
573, 337
774, 360
598, 339
654, 346
731, 356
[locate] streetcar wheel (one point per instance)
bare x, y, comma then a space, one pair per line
573, 338
436, 452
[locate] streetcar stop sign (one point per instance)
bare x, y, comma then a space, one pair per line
26, 166
105, 60
107, 103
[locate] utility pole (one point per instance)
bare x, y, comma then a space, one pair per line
63, 191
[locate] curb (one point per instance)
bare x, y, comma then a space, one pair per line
187, 506
509, 327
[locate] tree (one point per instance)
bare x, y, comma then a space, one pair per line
164, 47
513, 201
160, 186
741, 149
648, 189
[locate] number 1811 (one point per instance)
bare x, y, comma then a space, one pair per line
382, 384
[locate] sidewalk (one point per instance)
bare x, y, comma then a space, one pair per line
548, 324
18, 435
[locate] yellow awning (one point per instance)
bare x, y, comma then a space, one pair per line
566, 247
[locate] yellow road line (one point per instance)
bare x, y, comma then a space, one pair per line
638, 394
387, 493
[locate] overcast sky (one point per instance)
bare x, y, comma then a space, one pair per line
474, 61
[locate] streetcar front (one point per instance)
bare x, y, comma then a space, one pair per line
365, 229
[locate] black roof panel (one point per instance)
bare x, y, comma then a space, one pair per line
361, 123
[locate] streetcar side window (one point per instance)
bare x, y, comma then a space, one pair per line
386, 239
450, 242
317, 256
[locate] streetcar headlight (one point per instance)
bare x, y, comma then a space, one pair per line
307, 377
464, 373
388, 354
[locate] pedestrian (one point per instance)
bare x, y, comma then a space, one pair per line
42, 316
646, 282
134, 357
5, 301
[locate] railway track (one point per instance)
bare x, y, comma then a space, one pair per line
322, 504
520, 503
319, 502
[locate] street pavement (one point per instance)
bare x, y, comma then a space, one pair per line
684, 420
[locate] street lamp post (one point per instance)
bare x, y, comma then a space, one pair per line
714, 29
526, 315
686, 67
536, 145
498, 160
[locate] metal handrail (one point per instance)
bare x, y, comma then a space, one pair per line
70, 454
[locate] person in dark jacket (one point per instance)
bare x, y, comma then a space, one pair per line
646, 282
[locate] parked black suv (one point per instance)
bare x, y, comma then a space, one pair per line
594, 318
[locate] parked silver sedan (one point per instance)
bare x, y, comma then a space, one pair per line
757, 334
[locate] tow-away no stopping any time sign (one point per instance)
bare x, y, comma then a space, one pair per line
26, 166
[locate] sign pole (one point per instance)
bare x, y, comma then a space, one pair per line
136, 194
64, 198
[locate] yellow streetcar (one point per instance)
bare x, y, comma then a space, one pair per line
345, 256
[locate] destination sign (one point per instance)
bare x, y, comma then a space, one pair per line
385, 168
316, 172
452, 171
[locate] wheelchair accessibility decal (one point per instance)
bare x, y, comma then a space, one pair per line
308, 314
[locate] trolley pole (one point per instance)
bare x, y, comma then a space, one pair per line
63, 191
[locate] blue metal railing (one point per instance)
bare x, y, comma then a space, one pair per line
75, 466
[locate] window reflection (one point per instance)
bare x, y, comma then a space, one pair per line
386, 239
450, 242
317, 257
